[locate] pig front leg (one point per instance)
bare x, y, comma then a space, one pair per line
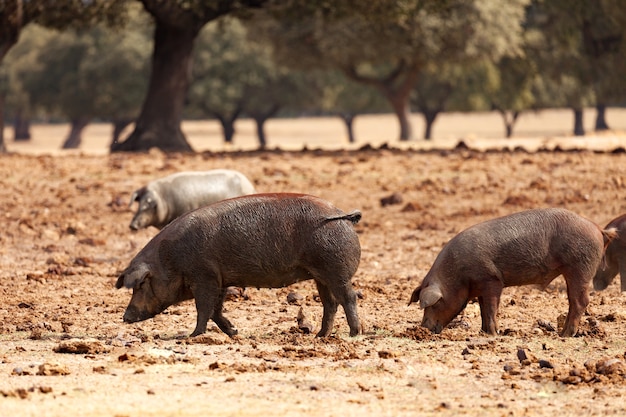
489, 303
206, 298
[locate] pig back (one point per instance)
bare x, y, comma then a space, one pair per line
266, 240
531, 247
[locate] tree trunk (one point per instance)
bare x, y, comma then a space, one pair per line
118, 127
158, 124
601, 123
348, 119
228, 123
429, 118
402, 108
228, 127
75, 136
509, 119
396, 87
2, 146
260, 118
579, 129
11, 22
21, 127
260, 131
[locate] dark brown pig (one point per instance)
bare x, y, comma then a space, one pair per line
530, 247
263, 241
615, 257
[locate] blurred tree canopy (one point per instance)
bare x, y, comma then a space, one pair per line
387, 43
59, 14
234, 75
131, 60
82, 75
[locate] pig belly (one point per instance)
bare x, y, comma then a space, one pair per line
528, 276
268, 279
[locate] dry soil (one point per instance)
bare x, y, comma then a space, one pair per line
64, 349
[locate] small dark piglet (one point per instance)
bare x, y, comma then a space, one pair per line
164, 199
263, 241
615, 257
529, 247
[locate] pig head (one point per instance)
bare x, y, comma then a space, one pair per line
150, 211
431, 293
152, 294
615, 257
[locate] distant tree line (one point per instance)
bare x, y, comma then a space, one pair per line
129, 62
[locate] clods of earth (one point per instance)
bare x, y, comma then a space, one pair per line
64, 350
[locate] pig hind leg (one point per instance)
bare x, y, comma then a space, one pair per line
343, 295
222, 322
578, 296
330, 309
622, 273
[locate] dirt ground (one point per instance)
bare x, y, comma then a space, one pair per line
64, 349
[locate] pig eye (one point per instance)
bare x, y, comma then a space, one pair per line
149, 203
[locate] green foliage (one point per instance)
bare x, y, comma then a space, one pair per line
76, 14
96, 73
234, 73
339, 95
579, 45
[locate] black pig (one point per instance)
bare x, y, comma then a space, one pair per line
263, 241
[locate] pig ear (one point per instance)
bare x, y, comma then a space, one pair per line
429, 296
415, 297
136, 196
120, 282
132, 279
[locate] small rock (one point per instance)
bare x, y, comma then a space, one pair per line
52, 369
19, 371
395, 198
545, 364
294, 298
611, 366
304, 325
236, 293
546, 325
81, 347
386, 354
521, 354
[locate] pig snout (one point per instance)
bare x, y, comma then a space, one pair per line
134, 226
141, 220
134, 314
432, 324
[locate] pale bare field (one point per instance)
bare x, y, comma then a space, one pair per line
548, 128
